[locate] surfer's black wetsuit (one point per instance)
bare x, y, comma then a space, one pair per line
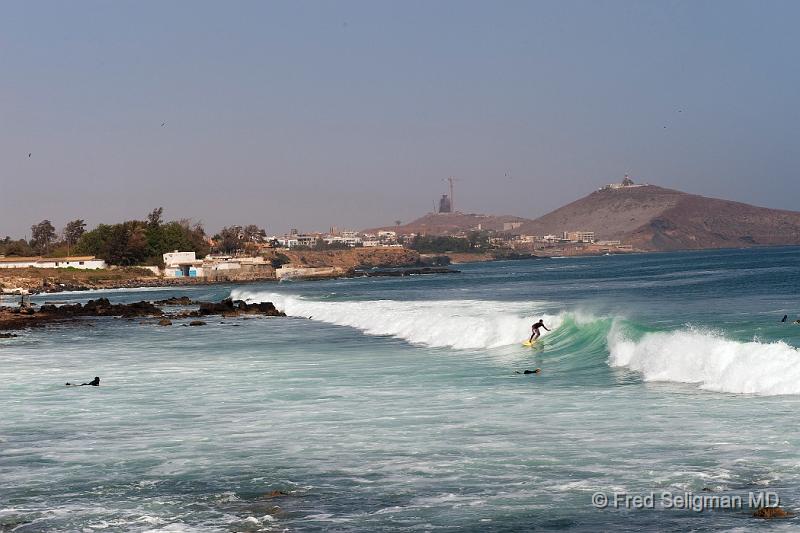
535, 329
94, 383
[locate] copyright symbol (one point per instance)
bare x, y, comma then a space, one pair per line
599, 500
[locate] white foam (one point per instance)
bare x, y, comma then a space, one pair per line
710, 360
461, 324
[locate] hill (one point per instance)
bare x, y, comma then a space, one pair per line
453, 223
655, 218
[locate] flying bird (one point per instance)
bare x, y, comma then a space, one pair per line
162, 124
29, 154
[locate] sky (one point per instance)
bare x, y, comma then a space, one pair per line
352, 114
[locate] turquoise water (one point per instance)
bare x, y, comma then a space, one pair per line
396, 406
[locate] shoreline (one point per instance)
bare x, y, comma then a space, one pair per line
52, 281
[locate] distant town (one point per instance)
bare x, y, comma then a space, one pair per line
617, 218
180, 249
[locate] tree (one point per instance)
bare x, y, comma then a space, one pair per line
439, 244
154, 218
73, 231
478, 239
42, 235
19, 248
228, 239
252, 233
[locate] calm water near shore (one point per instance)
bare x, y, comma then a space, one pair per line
388, 404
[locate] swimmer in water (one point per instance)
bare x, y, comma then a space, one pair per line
94, 383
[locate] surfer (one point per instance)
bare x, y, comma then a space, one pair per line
94, 383
535, 330
526, 371
785, 317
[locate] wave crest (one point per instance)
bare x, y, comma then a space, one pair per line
461, 324
709, 360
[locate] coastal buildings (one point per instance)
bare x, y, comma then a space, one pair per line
579, 236
185, 264
88, 262
626, 183
182, 264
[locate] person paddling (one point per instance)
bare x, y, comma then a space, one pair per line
535, 333
94, 383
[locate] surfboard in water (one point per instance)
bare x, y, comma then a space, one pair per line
529, 343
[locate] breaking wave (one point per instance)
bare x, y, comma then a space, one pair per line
578, 341
461, 324
709, 360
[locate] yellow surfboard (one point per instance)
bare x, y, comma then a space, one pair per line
529, 343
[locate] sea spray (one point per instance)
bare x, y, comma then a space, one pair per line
460, 324
709, 360
702, 357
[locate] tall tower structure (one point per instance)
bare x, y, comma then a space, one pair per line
444, 204
451, 179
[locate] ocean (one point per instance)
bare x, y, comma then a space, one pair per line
394, 404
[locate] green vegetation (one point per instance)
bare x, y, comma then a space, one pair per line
320, 244
16, 248
137, 242
234, 239
475, 241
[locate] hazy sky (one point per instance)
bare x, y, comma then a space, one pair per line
311, 114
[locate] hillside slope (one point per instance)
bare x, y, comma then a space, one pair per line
452, 223
655, 218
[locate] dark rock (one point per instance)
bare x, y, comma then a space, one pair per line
101, 307
197, 323
230, 308
399, 272
7, 335
165, 322
183, 300
771, 512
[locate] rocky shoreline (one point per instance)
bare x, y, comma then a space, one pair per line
23, 317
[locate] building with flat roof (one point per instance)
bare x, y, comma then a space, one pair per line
82, 262
182, 264
579, 236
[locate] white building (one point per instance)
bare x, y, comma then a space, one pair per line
182, 264
350, 241
88, 262
579, 236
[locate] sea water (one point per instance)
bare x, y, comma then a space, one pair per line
387, 404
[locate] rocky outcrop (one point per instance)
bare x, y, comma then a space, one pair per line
23, 317
406, 272
101, 307
771, 512
183, 300
228, 307
347, 260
